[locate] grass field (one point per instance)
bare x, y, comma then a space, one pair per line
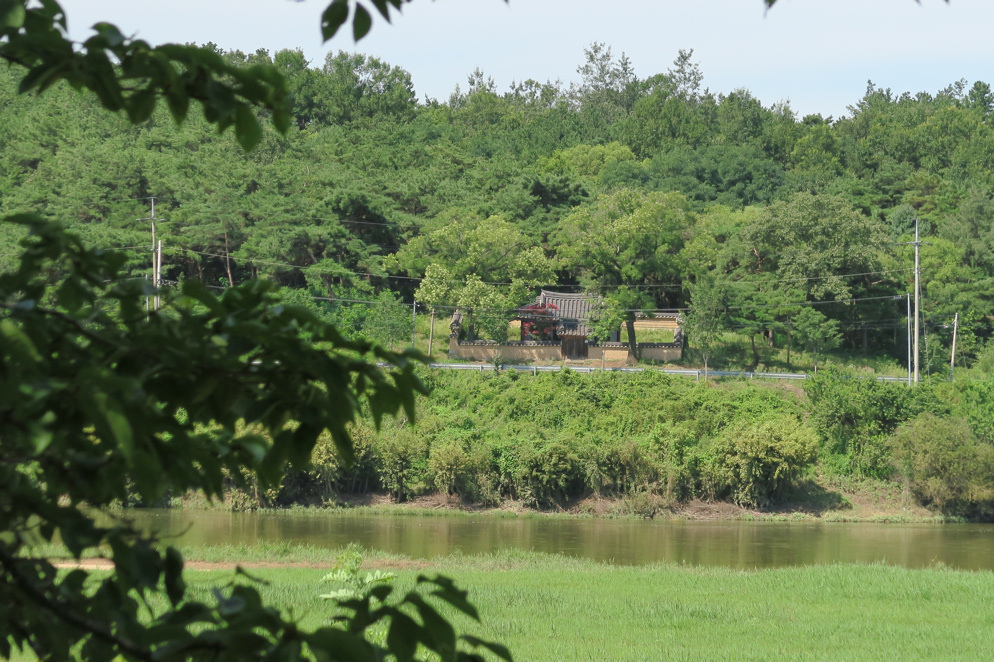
556, 608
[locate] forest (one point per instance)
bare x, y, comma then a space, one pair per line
651, 191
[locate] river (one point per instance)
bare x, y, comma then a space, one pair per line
731, 544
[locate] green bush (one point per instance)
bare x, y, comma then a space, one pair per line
642, 437
333, 476
977, 406
754, 462
448, 466
548, 473
623, 466
944, 465
401, 460
855, 415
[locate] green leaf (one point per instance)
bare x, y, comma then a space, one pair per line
40, 76
178, 102
141, 104
383, 7
110, 33
448, 592
175, 586
361, 22
441, 631
11, 14
17, 343
248, 131
196, 290
41, 436
403, 637
72, 294
282, 119
116, 422
333, 18
333, 644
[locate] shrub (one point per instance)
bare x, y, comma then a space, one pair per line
327, 475
676, 447
944, 465
977, 405
548, 473
854, 416
448, 466
401, 458
753, 463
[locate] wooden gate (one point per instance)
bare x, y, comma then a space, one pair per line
574, 348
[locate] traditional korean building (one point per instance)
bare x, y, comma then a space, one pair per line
556, 328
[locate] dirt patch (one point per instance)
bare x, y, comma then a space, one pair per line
712, 510
393, 564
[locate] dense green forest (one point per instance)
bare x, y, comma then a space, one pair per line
651, 191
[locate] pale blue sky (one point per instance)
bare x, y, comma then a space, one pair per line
818, 54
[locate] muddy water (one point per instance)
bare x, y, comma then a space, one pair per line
729, 544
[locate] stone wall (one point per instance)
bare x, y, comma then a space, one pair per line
664, 352
528, 351
533, 351
608, 351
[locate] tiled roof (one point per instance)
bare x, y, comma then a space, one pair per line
571, 310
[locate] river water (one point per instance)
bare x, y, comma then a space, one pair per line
728, 544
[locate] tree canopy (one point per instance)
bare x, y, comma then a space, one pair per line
347, 191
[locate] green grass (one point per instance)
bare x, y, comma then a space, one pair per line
647, 335
556, 608
835, 612
548, 607
734, 352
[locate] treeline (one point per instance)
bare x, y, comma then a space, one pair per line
653, 192
652, 440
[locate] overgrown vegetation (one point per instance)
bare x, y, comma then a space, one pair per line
653, 440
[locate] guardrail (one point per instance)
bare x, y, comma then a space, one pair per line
697, 374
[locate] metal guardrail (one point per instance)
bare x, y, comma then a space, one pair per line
697, 374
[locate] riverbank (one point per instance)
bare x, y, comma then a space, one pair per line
843, 448
818, 500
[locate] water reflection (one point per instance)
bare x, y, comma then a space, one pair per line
729, 544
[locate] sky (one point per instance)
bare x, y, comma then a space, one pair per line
815, 54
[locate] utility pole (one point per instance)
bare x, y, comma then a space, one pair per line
918, 294
909, 339
158, 274
917, 243
414, 323
431, 330
952, 357
156, 258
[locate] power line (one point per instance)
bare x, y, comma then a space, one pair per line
816, 303
800, 278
